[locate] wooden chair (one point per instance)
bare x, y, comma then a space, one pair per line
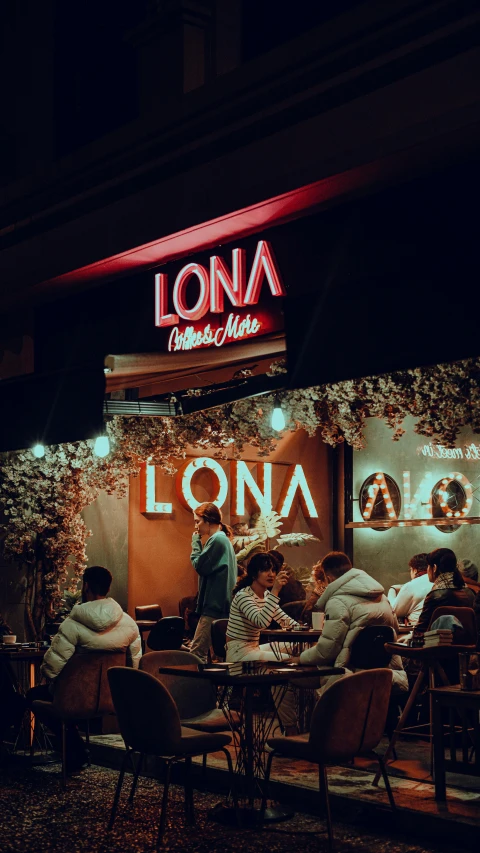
431, 660
348, 720
81, 693
150, 725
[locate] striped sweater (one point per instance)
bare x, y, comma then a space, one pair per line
249, 614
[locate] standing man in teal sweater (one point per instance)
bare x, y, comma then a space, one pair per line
216, 566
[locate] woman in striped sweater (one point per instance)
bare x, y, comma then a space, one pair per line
254, 606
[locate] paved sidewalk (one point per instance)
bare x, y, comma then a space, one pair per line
37, 816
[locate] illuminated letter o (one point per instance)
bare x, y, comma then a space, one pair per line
184, 481
179, 288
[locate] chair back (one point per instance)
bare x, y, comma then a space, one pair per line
219, 634
81, 690
148, 613
465, 615
349, 718
294, 609
147, 715
368, 648
192, 697
166, 634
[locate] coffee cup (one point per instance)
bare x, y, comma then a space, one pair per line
9, 639
318, 620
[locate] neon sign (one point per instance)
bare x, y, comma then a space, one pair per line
241, 480
234, 329
212, 286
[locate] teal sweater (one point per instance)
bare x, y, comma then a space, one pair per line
216, 566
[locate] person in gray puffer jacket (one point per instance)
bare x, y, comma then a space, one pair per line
351, 601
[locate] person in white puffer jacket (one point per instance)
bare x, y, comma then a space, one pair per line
97, 625
351, 601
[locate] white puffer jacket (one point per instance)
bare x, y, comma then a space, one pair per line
95, 626
350, 603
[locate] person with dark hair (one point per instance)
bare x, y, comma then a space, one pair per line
216, 565
255, 605
351, 601
408, 603
448, 587
469, 573
293, 590
98, 624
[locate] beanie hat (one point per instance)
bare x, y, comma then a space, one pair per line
468, 569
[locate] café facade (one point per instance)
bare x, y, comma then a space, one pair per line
333, 295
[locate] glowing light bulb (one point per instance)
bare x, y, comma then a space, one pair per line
278, 419
38, 451
102, 446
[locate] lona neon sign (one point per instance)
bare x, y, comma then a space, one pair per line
241, 480
213, 286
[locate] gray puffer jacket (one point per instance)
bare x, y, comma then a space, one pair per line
350, 603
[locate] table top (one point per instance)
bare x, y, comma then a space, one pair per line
455, 690
264, 673
18, 653
291, 636
427, 652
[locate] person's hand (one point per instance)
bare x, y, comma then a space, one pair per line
294, 659
280, 580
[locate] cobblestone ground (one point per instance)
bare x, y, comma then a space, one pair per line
37, 816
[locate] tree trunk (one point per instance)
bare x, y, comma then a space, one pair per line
39, 606
27, 614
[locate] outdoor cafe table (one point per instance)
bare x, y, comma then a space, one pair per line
294, 641
255, 721
27, 662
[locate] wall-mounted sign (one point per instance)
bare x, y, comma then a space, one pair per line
241, 480
471, 451
450, 496
211, 289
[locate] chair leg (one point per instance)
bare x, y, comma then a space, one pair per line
386, 781
87, 742
64, 754
118, 790
231, 774
204, 765
265, 787
189, 806
322, 772
163, 814
136, 772
401, 723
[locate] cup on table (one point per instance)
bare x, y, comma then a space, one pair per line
318, 620
9, 639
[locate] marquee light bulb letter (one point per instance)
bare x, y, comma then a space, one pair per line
296, 481
183, 482
241, 478
179, 292
467, 486
148, 504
